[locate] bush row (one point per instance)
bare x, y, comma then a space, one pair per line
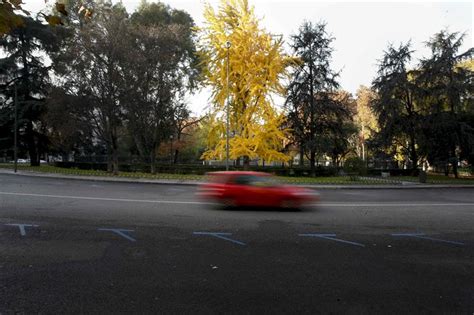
203, 169
197, 169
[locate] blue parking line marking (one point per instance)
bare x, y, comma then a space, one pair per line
221, 235
332, 237
423, 236
120, 232
22, 226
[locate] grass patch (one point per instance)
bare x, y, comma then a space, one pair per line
75, 171
438, 179
327, 180
335, 180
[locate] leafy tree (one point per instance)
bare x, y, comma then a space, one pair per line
447, 87
12, 13
24, 68
73, 12
395, 106
159, 68
312, 84
184, 126
365, 118
256, 64
189, 141
68, 129
9, 19
335, 128
89, 67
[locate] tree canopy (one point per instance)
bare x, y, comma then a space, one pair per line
310, 98
257, 64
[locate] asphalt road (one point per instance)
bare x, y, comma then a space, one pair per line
358, 251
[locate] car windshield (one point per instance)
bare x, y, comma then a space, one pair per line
254, 180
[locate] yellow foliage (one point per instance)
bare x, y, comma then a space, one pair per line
53, 20
61, 8
365, 118
467, 64
9, 19
257, 64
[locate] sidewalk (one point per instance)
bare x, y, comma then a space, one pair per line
403, 185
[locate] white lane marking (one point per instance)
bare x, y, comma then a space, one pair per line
107, 199
22, 226
333, 204
390, 204
423, 236
221, 235
332, 237
120, 232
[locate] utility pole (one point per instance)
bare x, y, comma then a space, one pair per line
15, 139
311, 129
228, 44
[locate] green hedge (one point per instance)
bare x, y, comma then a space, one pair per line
393, 172
199, 169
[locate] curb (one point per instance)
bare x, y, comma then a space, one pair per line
196, 183
101, 178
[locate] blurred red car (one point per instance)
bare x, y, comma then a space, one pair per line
241, 188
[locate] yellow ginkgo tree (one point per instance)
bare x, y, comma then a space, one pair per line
233, 46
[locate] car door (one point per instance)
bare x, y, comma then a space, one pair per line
243, 190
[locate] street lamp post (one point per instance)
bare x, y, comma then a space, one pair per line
15, 137
228, 44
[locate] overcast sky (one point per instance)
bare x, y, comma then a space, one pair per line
362, 30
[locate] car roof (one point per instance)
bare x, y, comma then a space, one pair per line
233, 173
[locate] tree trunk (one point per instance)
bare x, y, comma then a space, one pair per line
115, 163
237, 162
112, 157
454, 162
152, 162
413, 154
64, 157
363, 151
32, 149
246, 163
312, 161
175, 159
301, 155
109, 159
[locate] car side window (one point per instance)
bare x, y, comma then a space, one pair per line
243, 180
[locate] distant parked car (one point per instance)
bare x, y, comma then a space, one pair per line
240, 188
23, 161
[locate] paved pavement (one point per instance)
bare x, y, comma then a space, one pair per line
69, 246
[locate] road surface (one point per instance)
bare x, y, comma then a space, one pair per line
71, 246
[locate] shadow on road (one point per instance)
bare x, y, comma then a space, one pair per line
262, 209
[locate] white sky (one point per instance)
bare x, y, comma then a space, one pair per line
362, 30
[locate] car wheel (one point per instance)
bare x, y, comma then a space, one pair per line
228, 202
289, 204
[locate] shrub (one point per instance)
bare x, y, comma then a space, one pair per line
355, 165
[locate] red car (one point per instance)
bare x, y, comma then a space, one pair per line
237, 188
